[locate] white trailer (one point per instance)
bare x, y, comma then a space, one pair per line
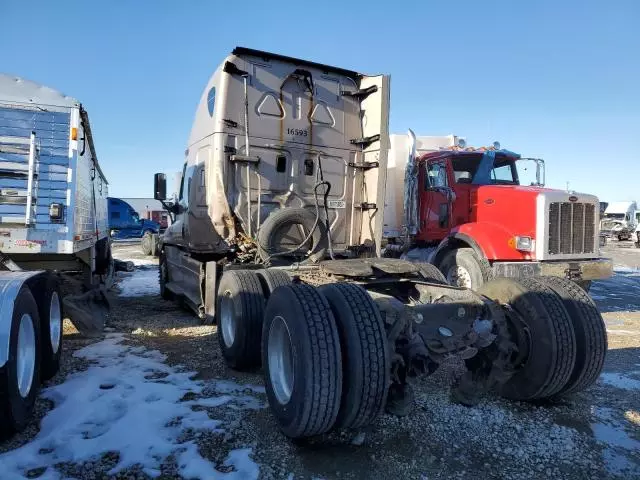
53, 222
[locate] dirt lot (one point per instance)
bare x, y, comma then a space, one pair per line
154, 398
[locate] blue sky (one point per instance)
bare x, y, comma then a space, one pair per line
561, 82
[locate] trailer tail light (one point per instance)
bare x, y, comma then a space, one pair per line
74, 133
524, 244
56, 211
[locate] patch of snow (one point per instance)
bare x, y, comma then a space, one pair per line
139, 262
127, 401
623, 332
620, 381
140, 283
618, 444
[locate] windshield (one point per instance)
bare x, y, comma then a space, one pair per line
614, 216
135, 216
490, 169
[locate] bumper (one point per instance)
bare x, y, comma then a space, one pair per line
574, 270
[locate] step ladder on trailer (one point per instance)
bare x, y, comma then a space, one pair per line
19, 161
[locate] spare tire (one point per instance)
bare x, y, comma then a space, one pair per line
285, 229
145, 243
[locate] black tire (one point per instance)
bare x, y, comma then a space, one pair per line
272, 279
365, 360
552, 354
104, 259
270, 236
314, 358
478, 268
430, 273
51, 335
16, 409
590, 331
145, 243
163, 274
584, 285
239, 310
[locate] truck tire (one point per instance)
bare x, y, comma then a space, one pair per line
240, 308
18, 392
462, 267
430, 273
154, 244
365, 360
272, 279
552, 352
302, 361
51, 315
271, 234
163, 274
590, 331
145, 243
584, 285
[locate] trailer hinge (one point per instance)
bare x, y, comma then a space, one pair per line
229, 149
230, 123
368, 206
360, 94
244, 158
364, 165
366, 141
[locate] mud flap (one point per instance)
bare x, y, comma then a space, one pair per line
88, 311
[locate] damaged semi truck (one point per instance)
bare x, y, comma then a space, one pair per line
278, 237
54, 240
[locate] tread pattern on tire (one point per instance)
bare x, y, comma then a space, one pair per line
326, 367
249, 291
431, 273
272, 279
590, 330
374, 368
561, 331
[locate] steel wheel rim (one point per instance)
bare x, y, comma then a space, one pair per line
55, 322
227, 319
459, 276
26, 355
280, 359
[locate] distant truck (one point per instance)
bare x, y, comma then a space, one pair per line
465, 210
125, 222
53, 229
620, 220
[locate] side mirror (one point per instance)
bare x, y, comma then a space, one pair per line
160, 186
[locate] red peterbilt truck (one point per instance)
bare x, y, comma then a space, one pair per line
465, 210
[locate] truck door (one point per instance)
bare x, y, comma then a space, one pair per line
435, 202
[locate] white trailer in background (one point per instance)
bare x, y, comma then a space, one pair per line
53, 222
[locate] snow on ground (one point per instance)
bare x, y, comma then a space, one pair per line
139, 283
619, 380
128, 401
617, 443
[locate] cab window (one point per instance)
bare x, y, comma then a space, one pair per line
436, 175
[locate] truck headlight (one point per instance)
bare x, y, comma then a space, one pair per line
525, 244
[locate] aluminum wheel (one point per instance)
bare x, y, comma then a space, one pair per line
227, 319
280, 357
55, 322
26, 355
459, 276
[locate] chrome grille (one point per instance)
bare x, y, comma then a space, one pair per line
571, 228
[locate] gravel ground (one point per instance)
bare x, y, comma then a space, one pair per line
595, 434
